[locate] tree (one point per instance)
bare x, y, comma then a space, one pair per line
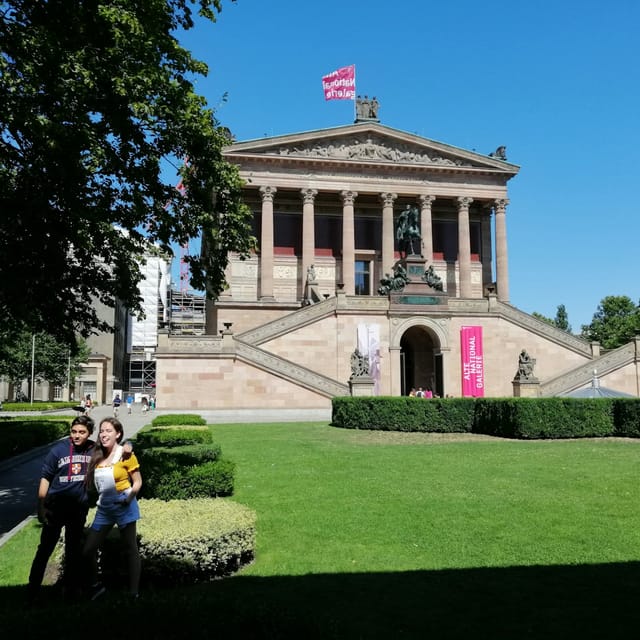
96, 99
615, 322
52, 360
561, 320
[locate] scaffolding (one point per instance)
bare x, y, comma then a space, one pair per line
142, 370
186, 313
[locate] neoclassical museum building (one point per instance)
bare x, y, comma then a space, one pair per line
309, 303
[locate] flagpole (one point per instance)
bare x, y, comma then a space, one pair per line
355, 95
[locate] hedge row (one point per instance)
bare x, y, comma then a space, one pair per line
404, 414
525, 418
19, 435
37, 406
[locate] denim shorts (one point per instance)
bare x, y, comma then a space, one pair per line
118, 513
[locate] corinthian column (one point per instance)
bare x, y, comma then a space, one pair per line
464, 248
502, 268
387, 231
308, 231
266, 244
426, 232
348, 242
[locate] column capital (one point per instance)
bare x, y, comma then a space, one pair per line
348, 197
426, 200
308, 195
267, 193
464, 202
388, 198
500, 205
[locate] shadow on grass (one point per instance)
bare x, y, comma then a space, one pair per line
587, 601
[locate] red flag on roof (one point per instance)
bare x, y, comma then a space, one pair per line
340, 84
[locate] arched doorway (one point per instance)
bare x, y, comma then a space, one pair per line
421, 361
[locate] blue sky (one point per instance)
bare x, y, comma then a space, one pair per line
556, 81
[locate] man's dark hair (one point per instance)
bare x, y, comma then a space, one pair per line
84, 420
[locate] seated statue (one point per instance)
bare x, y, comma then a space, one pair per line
359, 364
525, 366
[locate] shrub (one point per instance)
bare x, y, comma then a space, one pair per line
626, 417
186, 541
208, 480
175, 419
173, 437
37, 406
531, 418
158, 463
403, 414
17, 436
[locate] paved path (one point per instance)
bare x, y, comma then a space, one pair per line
19, 476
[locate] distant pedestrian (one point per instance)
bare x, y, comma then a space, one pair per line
88, 405
117, 401
129, 403
145, 404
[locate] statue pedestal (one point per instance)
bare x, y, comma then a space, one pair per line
526, 388
362, 386
416, 291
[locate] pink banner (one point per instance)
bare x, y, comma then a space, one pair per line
340, 84
472, 356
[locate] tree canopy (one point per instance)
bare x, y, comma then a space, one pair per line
51, 359
561, 320
615, 322
96, 98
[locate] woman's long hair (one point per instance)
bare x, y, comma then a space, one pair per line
99, 453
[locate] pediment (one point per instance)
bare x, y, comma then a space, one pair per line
372, 143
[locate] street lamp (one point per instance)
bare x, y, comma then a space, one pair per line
33, 366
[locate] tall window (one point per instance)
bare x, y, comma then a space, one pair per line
363, 278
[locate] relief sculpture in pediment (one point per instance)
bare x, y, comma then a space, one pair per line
369, 148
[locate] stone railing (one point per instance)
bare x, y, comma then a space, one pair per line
583, 374
291, 371
544, 329
190, 344
299, 318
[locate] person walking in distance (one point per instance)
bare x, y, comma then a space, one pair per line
117, 401
118, 482
129, 403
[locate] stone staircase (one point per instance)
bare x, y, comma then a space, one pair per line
290, 371
582, 375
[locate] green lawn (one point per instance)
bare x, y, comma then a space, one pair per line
384, 535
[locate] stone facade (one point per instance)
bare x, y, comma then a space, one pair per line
327, 202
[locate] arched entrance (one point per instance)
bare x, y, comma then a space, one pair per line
420, 361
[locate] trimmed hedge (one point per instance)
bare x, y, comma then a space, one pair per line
17, 436
182, 462
444, 415
626, 417
37, 406
173, 437
535, 418
524, 418
185, 541
175, 419
185, 472
208, 480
